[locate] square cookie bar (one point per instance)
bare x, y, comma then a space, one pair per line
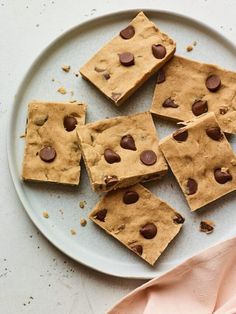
189, 88
52, 152
129, 59
121, 151
202, 160
137, 218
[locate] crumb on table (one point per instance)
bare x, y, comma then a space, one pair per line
206, 226
62, 90
65, 68
73, 231
82, 204
83, 222
45, 214
189, 48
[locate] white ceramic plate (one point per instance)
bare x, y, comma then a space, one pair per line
91, 246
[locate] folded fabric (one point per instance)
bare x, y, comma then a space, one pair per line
203, 284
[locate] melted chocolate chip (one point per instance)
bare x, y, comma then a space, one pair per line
161, 77
138, 249
191, 186
47, 154
214, 133
126, 59
130, 197
158, 51
106, 76
199, 107
110, 156
127, 142
169, 103
110, 181
101, 214
148, 231
69, 123
178, 219
222, 176
180, 135
127, 32
213, 83
148, 157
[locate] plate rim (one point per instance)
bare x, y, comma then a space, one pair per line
17, 181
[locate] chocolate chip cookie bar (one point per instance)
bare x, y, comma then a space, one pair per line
202, 160
137, 218
129, 59
52, 152
121, 151
188, 88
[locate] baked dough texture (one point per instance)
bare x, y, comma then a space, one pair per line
45, 128
185, 83
200, 158
96, 137
124, 221
116, 81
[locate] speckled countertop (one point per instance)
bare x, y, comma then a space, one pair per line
34, 276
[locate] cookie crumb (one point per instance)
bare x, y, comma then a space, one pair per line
189, 48
65, 68
72, 101
22, 136
83, 222
73, 231
206, 226
61, 211
82, 204
72, 93
45, 214
53, 80
62, 90
195, 43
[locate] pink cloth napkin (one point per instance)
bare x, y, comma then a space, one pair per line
204, 284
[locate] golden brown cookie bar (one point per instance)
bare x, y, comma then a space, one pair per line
52, 152
191, 88
121, 151
202, 160
129, 59
137, 218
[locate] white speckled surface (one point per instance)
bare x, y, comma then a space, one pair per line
32, 271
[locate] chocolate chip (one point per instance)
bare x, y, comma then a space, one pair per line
69, 123
101, 214
180, 135
214, 133
222, 176
127, 32
169, 103
206, 227
106, 76
213, 83
178, 219
138, 249
223, 110
110, 181
130, 197
115, 96
110, 156
148, 157
191, 186
47, 154
158, 51
161, 77
127, 142
199, 107
148, 231
126, 59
